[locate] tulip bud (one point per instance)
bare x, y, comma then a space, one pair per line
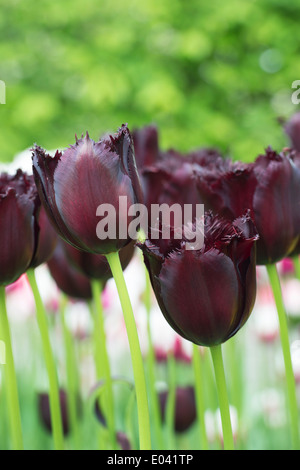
185, 407
44, 410
68, 279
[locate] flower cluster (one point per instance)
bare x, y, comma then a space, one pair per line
251, 218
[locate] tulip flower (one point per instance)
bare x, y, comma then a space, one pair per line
17, 208
169, 176
269, 188
68, 279
75, 183
27, 240
45, 413
76, 187
207, 295
185, 407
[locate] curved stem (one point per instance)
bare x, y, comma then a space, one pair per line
72, 388
10, 378
102, 361
55, 410
199, 381
135, 350
151, 370
216, 353
285, 345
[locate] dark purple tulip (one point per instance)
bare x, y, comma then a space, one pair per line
276, 206
44, 410
68, 279
206, 295
185, 407
27, 239
74, 183
95, 266
168, 176
270, 189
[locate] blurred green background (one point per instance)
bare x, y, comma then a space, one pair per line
207, 73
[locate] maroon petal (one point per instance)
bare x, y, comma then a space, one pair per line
146, 146
44, 167
185, 407
96, 266
276, 205
17, 237
46, 239
200, 295
68, 279
74, 183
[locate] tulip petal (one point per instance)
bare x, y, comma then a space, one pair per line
17, 237
199, 294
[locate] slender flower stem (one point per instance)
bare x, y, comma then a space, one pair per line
285, 345
102, 361
72, 385
216, 353
199, 381
171, 400
10, 378
156, 413
296, 262
135, 350
55, 410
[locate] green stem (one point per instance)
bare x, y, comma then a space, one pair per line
296, 262
10, 378
151, 370
72, 384
171, 400
199, 383
285, 345
135, 350
216, 353
55, 410
234, 361
102, 361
